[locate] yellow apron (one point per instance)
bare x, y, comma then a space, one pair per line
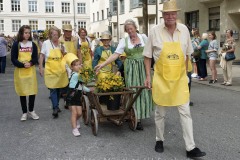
70, 46
170, 82
25, 80
55, 74
86, 56
107, 69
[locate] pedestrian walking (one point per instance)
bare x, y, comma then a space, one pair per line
102, 53
3, 53
55, 75
228, 48
134, 71
213, 55
24, 56
170, 46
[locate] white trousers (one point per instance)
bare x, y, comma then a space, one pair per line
186, 122
227, 73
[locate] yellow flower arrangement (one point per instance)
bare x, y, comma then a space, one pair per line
86, 75
111, 83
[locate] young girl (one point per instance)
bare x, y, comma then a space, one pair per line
24, 56
73, 99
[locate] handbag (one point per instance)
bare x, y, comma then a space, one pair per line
230, 56
196, 53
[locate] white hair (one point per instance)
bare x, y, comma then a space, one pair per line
204, 36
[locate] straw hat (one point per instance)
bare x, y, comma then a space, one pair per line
67, 27
91, 35
106, 36
170, 6
70, 57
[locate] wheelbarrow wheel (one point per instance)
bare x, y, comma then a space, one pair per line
94, 121
132, 121
85, 109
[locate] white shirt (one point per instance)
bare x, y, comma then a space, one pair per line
159, 34
46, 46
121, 46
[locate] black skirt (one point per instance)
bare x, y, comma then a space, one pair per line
74, 97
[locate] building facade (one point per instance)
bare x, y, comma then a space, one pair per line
42, 14
120, 11
213, 15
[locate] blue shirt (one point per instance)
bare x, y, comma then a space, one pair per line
204, 46
74, 80
3, 47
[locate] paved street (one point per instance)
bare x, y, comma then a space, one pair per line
216, 119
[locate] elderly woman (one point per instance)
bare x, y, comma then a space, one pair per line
212, 55
85, 48
228, 48
102, 53
201, 63
134, 69
55, 75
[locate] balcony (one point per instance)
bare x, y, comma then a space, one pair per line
137, 12
209, 1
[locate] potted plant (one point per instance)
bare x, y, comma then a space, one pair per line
108, 84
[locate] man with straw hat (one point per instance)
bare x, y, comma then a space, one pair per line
170, 46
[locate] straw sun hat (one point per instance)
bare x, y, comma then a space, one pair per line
170, 6
67, 27
105, 37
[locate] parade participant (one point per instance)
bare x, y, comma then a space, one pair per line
85, 48
102, 53
134, 71
70, 42
74, 94
213, 55
3, 53
170, 46
228, 48
55, 75
37, 42
24, 56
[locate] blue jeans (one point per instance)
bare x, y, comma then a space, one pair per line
2, 64
55, 96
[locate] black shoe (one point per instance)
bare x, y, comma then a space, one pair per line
139, 126
55, 113
159, 147
212, 81
195, 153
191, 103
59, 110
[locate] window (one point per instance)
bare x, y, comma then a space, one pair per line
214, 18
114, 30
49, 7
152, 1
65, 22
1, 5
81, 8
33, 24
93, 17
49, 24
15, 5
102, 14
65, 7
122, 6
192, 19
81, 24
97, 16
32, 6
1, 25
113, 6
16, 24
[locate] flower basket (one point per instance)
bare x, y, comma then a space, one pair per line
111, 83
86, 75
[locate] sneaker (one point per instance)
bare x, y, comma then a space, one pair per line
24, 117
55, 113
59, 110
76, 132
223, 83
159, 147
195, 153
212, 81
78, 125
33, 115
228, 84
191, 104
